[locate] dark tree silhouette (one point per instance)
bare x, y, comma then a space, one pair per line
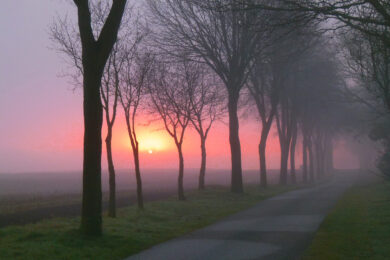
266, 99
292, 151
370, 17
222, 37
206, 107
110, 83
68, 42
95, 53
320, 115
132, 90
168, 87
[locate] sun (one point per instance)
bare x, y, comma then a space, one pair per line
152, 142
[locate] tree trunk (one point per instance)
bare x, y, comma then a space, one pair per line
181, 174
91, 213
311, 161
304, 158
330, 166
111, 175
283, 163
202, 172
262, 152
140, 199
263, 166
318, 158
235, 147
292, 154
94, 58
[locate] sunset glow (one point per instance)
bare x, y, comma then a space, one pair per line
58, 145
152, 142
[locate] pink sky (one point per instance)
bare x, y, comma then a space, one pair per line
41, 117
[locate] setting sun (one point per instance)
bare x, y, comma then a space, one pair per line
151, 142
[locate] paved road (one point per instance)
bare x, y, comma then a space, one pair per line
277, 228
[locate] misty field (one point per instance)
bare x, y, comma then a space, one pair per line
31, 191
133, 230
357, 228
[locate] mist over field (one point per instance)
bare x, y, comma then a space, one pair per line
51, 183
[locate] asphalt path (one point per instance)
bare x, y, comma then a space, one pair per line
281, 227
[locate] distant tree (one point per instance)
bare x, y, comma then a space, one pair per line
168, 85
207, 106
370, 17
96, 48
265, 95
133, 80
294, 138
223, 38
110, 89
322, 113
285, 58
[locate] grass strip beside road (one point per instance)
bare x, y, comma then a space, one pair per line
132, 231
357, 228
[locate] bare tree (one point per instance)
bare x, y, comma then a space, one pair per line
320, 110
294, 138
110, 89
368, 61
265, 96
206, 107
370, 17
66, 37
132, 90
170, 100
95, 51
223, 38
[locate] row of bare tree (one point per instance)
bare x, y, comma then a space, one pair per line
179, 92
178, 55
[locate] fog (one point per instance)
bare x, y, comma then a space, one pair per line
55, 183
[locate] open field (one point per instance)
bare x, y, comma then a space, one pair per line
132, 231
30, 197
358, 227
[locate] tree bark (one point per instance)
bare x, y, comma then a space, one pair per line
94, 57
318, 157
202, 172
263, 164
140, 199
91, 220
292, 154
262, 153
235, 146
304, 158
311, 160
180, 189
283, 163
135, 149
111, 175
330, 166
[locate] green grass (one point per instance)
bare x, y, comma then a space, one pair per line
20, 203
357, 228
132, 231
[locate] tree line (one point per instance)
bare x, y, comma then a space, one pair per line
193, 62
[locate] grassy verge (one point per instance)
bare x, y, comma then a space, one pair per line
20, 203
132, 231
357, 228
